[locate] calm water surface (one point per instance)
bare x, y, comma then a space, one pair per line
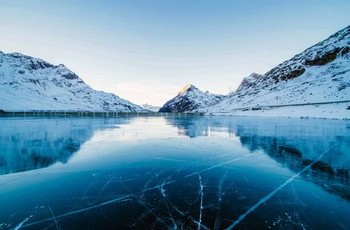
174, 173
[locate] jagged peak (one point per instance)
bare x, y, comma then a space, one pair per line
340, 35
17, 54
190, 98
62, 66
33, 59
20, 55
254, 76
249, 81
187, 88
33, 63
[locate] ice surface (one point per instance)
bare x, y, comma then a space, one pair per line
176, 172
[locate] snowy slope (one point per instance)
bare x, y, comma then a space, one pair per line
28, 83
321, 73
190, 98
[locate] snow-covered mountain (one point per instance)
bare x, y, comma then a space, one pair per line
319, 74
190, 98
249, 81
151, 108
28, 83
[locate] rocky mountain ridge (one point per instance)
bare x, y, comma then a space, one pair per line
321, 73
190, 98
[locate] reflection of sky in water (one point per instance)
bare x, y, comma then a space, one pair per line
167, 172
137, 129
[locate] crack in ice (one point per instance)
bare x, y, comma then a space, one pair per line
270, 195
220, 194
201, 203
53, 216
218, 165
301, 224
119, 199
187, 216
105, 185
162, 190
18, 226
143, 203
83, 197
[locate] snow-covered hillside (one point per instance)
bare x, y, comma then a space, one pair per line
190, 98
321, 73
28, 83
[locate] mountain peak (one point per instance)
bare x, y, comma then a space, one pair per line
254, 75
187, 88
249, 81
190, 98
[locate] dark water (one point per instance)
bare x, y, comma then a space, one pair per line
174, 173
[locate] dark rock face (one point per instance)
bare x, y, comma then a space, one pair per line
285, 73
70, 76
39, 65
293, 74
324, 59
183, 105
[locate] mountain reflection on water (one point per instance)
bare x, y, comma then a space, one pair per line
294, 143
168, 172
38, 143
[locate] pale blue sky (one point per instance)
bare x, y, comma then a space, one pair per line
147, 50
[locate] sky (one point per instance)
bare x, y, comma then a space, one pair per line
147, 50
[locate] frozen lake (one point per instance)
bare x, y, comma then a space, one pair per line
174, 173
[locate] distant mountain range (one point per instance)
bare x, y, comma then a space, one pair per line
151, 108
28, 83
317, 76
